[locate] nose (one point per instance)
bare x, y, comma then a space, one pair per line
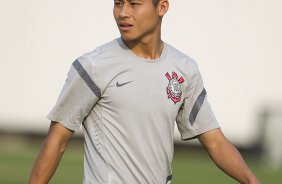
124, 11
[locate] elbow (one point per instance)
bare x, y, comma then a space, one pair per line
213, 140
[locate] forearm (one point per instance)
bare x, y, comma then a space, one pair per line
228, 159
46, 164
50, 154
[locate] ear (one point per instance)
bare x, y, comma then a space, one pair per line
163, 6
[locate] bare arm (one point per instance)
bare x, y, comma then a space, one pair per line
227, 157
50, 154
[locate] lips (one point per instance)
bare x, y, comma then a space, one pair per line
125, 26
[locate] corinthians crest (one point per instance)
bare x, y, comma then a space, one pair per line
174, 89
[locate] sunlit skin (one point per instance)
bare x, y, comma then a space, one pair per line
139, 23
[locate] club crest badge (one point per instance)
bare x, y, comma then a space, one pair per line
173, 89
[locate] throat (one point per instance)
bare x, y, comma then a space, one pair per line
149, 50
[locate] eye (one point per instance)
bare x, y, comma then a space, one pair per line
135, 3
118, 3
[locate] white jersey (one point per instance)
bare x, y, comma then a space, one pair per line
128, 106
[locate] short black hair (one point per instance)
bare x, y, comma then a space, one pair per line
155, 2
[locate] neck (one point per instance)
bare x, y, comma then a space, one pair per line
146, 48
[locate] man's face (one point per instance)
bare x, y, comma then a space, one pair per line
136, 19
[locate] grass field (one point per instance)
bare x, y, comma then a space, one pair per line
189, 166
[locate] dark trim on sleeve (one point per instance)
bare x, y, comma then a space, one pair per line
168, 178
85, 76
197, 106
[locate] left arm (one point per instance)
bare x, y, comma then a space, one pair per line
227, 157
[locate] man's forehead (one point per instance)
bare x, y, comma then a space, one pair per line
131, 0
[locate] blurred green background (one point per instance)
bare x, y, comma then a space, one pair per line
191, 163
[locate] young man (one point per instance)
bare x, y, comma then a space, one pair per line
127, 94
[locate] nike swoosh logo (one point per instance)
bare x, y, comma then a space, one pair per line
122, 84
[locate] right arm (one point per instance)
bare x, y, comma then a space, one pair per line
50, 153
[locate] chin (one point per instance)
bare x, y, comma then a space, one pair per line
129, 38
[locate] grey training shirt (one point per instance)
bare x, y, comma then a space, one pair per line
128, 106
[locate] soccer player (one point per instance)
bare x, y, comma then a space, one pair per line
127, 95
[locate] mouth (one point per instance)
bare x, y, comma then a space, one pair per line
125, 26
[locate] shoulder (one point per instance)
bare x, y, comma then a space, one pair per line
184, 61
100, 64
102, 52
102, 57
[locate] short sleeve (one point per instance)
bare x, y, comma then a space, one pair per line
77, 98
195, 116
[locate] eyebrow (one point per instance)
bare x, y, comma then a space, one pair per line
129, 0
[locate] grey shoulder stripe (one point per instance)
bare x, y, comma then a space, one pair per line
85, 76
197, 106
